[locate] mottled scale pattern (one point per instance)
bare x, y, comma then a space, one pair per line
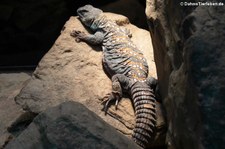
121, 56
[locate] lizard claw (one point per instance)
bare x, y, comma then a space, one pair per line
78, 35
105, 98
110, 98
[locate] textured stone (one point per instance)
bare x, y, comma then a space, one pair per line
10, 86
189, 53
73, 71
70, 125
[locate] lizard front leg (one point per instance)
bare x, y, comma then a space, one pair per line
93, 39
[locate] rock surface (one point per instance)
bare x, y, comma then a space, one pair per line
189, 53
70, 125
10, 86
73, 71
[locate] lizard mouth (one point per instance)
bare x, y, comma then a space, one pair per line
81, 12
87, 14
80, 15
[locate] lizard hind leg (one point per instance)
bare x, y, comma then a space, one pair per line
153, 84
118, 82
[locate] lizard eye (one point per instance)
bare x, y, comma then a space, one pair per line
83, 11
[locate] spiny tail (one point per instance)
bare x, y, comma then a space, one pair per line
144, 104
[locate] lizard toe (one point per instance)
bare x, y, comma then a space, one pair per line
108, 99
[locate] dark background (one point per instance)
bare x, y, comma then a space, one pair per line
28, 28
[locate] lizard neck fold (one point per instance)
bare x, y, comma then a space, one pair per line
99, 22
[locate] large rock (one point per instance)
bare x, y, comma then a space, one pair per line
73, 71
189, 53
67, 126
10, 86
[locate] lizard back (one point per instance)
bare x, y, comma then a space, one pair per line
120, 55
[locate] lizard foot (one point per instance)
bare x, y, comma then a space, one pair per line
78, 35
115, 95
111, 97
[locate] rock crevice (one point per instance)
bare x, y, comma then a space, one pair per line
188, 50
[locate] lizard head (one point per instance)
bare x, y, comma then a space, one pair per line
87, 14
